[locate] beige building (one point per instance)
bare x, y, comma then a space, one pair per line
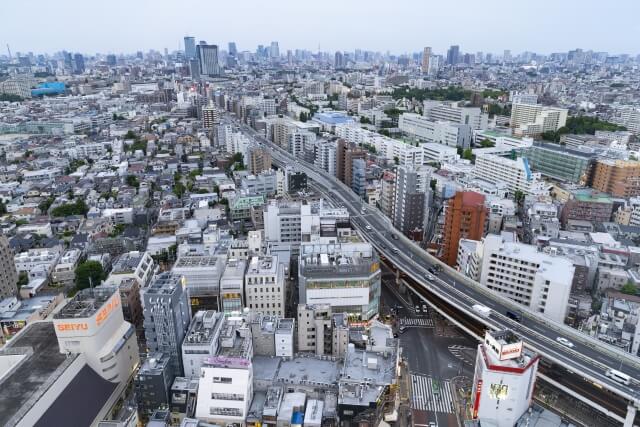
535, 119
620, 178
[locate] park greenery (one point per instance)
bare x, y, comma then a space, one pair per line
89, 273
581, 126
79, 207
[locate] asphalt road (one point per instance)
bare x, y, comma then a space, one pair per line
591, 361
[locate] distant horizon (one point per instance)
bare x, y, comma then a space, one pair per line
402, 27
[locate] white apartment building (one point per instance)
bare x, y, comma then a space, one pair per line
516, 174
265, 286
535, 119
225, 388
201, 341
119, 215
454, 113
64, 272
442, 132
326, 156
439, 153
41, 175
629, 118
298, 140
534, 279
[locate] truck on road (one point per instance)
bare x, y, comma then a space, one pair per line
481, 310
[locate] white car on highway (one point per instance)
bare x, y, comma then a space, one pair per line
565, 342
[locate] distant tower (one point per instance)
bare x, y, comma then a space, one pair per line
8, 273
233, 50
208, 58
426, 56
190, 47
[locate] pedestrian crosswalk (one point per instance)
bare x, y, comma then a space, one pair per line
419, 321
428, 394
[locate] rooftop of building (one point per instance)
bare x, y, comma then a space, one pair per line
85, 303
184, 384
163, 284
285, 325
265, 264
127, 263
154, 364
590, 195
196, 261
202, 328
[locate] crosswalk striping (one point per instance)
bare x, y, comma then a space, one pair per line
461, 352
416, 322
432, 395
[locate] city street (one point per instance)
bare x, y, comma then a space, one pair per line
433, 359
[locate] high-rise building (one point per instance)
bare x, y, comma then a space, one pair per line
620, 178
516, 173
201, 341
426, 57
504, 379
453, 55
210, 116
518, 271
258, 159
265, 286
208, 57
464, 219
112, 60
194, 69
455, 113
274, 51
78, 63
167, 315
153, 382
345, 154
411, 198
339, 60
8, 272
190, 47
233, 50
536, 119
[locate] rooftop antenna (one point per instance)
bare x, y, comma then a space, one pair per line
9, 51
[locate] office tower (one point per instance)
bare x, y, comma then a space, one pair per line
232, 286
274, 50
208, 58
453, 55
233, 50
411, 198
426, 56
259, 159
339, 60
620, 178
520, 272
464, 219
8, 272
289, 57
265, 286
506, 56
345, 276
78, 63
190, 47
535, 119
201, 278
504, 379
111, 60
194, 69
166, 317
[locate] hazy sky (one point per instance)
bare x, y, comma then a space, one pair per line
400, 26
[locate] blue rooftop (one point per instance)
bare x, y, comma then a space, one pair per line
333, 117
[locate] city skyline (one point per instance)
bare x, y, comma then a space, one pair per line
566, 28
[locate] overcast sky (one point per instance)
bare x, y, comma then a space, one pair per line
399, 26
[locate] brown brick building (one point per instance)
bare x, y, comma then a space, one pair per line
345, 155
464, 219
620, 178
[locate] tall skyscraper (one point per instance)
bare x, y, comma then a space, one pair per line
8, 273
453, 55
167, 315
78, 63
464, 219
339, 60
208, 58
426, 57
233, 50
190, 47
274, 51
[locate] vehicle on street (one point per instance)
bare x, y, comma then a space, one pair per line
481, 310
368, 227
417, 309
514, 316
565, 342
618, 376
394, 237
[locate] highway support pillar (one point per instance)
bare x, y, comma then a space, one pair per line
631, 415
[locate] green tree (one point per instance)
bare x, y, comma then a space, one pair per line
23, 279
132, 181
485, 143
89, 273
10, 98
396, 160
3, 208
303, 116
365, 120
433, 184
45, 204
518, 196
629, 289
179, 189
467, 154
79, 207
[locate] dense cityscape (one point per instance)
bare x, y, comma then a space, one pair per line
228, 235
